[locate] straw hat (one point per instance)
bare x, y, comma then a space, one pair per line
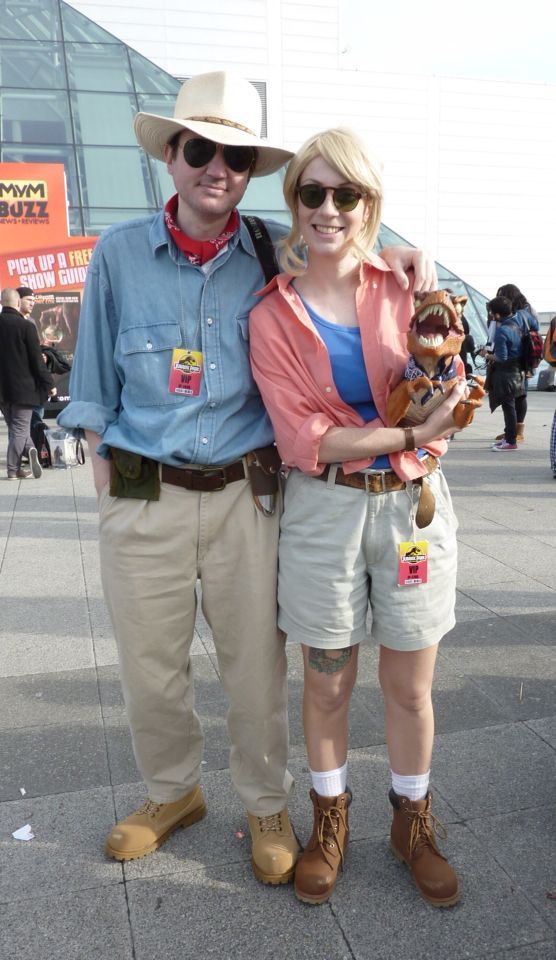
219, 106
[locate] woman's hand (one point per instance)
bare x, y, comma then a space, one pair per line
401, 259
440, 425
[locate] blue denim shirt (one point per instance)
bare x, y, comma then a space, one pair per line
142, 299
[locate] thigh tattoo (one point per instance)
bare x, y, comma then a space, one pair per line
329, 661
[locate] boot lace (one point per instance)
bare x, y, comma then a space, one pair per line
424, 826
270, 823
150, 808
327, 828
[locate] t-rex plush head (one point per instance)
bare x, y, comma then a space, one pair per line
434, 338
435, 330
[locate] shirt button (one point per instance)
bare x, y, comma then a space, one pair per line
149, 345
204, 440
212, 404
328, 389
375, 284
212, 366
210, 321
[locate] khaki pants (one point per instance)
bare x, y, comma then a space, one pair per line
151, 556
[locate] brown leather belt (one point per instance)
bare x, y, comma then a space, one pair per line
203, 479
383, 481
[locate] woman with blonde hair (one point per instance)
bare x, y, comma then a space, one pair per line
328, 344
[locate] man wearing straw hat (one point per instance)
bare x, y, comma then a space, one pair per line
162, 386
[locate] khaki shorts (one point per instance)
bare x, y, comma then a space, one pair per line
339, 554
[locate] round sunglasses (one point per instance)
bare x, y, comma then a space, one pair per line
313, 195
199, 152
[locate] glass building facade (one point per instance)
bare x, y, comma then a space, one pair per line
68, 93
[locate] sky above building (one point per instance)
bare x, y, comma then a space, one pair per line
479, 38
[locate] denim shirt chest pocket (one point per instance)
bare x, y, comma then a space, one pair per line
144, 357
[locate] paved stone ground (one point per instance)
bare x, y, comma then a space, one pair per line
64, 740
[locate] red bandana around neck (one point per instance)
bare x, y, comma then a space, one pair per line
197, 251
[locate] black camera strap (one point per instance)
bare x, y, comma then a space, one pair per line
264, 247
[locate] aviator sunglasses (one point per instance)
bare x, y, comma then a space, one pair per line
199, 152
313, 195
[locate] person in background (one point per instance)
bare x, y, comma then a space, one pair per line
24, 384
26, 302
507, 380
328, 344
526, 318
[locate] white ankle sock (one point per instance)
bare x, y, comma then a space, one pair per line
330, 783
414, 787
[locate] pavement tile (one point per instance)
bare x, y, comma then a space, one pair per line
513, 551
67, 852
92, 925
54, 759
70, 696
499, 769
27, 653
460, 703
214, 912
514, 671
469, 609
524, 844
476, 567
515, 597
545, 728
544, 950
376, 903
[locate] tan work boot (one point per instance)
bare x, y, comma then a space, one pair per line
148, 828
317, 870
275, 849
412, 841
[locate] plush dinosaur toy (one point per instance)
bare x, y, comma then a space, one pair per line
434, 340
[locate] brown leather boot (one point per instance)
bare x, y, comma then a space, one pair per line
412, 841
519, 433
317, 869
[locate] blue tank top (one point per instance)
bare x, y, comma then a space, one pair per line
348, 369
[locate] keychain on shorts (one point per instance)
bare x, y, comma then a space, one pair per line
414, 553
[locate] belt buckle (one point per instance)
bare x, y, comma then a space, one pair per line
215, 472
376, 473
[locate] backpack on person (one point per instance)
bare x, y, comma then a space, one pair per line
549, 349
531, 349
39, 436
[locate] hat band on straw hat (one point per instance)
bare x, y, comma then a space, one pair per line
225, 123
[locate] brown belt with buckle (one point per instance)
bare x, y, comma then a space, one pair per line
383, 481
203, 479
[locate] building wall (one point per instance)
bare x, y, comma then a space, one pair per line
468, 162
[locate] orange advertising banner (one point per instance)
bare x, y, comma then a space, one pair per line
33, 205
37, 251
60, 267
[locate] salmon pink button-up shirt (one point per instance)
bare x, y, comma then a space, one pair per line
291, 366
